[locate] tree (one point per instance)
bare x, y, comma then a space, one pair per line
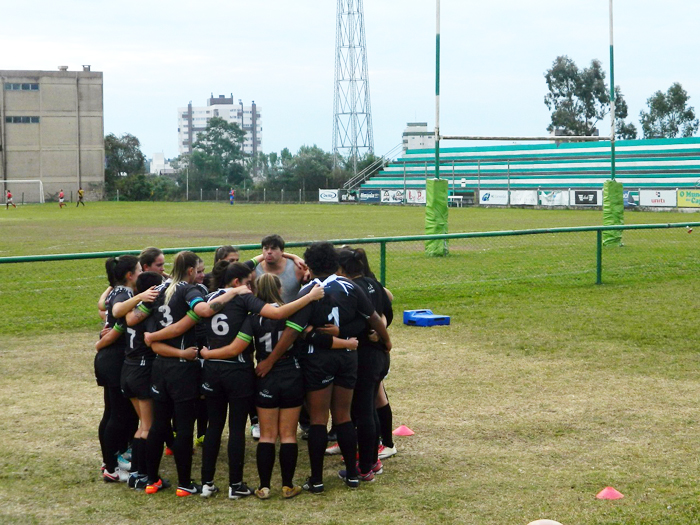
217, 156
669, 115
123, 157
579, 99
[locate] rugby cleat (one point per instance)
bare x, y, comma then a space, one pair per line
238, 491
208, 490
333, 450
352, 483
387, 452
290, 492
262, 493
159, 485
255, 431
189, 490
118, 476
313, 487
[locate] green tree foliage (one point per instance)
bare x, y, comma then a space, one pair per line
217, 158
580, 99
123, 157
669, 115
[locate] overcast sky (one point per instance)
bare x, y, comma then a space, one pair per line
159, 55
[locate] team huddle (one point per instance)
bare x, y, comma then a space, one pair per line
283, 341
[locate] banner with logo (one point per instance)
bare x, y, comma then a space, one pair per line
630, 198
493, 197
554, 198
327, 195
523, 197
586, 197
348, 196
370, 196
415, 196
392, 196
689, 198
658, 198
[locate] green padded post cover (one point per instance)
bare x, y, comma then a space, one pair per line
436, 215
613, 211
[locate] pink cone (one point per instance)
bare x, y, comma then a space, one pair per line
609, 493
403, 430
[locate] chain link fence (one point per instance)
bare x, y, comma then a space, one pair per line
63, 290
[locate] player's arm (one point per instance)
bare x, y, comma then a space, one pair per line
164, 350
138, 314
236, 347
101, 306
286, 310
121, 309
207, 309
109, 338
172, 330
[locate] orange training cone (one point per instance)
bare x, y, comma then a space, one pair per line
403, 430
609, 493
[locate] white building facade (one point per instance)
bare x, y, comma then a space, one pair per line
192, 120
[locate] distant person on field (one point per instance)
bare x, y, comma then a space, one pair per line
61, 197
232, 196
81, 194
8, 200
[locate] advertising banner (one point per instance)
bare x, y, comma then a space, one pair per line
496, 197
689, 198
586, 197
392, 196
348, 196
658, 198
370, 196
630, 198
327, 195
415, 196
554, 198
524, 197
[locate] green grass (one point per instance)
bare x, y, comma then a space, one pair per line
545, 388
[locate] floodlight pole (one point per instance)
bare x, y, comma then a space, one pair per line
612, 98
437, 91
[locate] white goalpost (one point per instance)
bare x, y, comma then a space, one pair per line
34, 189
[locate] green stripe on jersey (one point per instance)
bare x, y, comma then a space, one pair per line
245, 337
145, 309
294, 326
194, 316
119, 328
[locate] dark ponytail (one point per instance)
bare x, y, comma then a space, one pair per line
351, 262
218, 275
236, 271
118, 267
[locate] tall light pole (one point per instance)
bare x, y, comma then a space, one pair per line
437, 90
612, 98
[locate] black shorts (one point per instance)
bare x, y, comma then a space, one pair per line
229, 380
372, 364
326, 367
136, 380
108, 366
175, 379
282, 387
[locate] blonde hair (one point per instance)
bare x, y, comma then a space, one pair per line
267, 288
183, 261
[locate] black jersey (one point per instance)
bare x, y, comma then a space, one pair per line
342, 304
183, 300
264, 333
137, 352
200, 329
118, 295
380, 301
223, 327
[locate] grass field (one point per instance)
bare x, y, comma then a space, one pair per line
545, 388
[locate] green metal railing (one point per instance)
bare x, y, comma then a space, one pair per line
381, 241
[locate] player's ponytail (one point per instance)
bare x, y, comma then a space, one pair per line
118, 267
182, 263
218, 275
351, 262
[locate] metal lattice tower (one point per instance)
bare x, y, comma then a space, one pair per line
352, 112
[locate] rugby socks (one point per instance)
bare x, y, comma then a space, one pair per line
135, 454
347, 440
318, 441
265, 457
385, 421
237, 418
288, 462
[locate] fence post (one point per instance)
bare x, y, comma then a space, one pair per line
599, 257
264, 194
382, 262
117, 195
201, 195
248, 194
299, 195
216, 198
22, 198
282, 195
71, 197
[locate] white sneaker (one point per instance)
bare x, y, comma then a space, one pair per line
123, 463
333, 450
208, 490
386, 452
255, 431
118, 476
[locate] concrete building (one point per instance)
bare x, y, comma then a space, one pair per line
159, 166
194, 119
417, 136
52, 130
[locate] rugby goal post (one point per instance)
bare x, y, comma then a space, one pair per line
33, 190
